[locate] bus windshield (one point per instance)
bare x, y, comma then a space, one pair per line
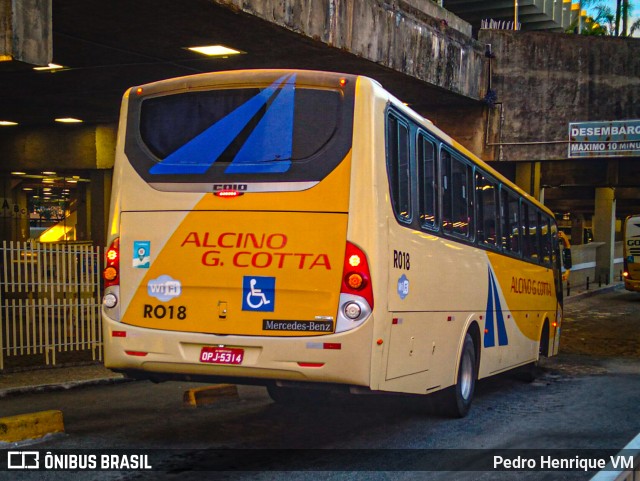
271, 132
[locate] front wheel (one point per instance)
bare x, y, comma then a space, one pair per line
456, 400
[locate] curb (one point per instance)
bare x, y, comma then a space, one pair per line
591, 293
61, 386
30, 426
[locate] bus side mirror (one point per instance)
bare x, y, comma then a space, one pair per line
566, 258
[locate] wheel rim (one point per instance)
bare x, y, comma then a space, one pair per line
466, 376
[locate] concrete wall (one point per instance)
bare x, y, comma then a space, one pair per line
26, 31
584, 266
414, 37
546, 80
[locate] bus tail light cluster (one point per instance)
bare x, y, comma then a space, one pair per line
356, 293
111, 276
111, 273
356, 278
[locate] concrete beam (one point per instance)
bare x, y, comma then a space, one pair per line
398, 35
25, 33
69, 147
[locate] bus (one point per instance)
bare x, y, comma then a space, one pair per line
307, 230
631, 254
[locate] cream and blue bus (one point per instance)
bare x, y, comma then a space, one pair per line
306, 230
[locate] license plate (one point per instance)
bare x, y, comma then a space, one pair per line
221, 355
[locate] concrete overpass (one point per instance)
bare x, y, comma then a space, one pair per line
425, 55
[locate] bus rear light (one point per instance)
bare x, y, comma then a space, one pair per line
110, 300
110, 273
356, 276
332, 345
352, 310
311, 364
228, 193
118, 333
136, 353
355, 281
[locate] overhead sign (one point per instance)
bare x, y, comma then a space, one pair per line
604, 139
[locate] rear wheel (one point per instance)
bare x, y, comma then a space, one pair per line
456, 400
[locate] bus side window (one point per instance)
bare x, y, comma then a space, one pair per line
526, 240
486, 210
510, 209
530, 232
545, 238
428, 184
534, 234
456, 196
398, 167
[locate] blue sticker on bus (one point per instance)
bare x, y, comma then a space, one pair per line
164, 288
258, 293
403, 286
141, 254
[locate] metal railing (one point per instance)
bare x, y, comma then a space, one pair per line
49, 300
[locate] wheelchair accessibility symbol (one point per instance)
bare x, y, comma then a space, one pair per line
258, 293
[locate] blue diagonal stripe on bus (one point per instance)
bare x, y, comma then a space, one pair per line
494, 300
502, 331
268, 149
197, 155
489, 334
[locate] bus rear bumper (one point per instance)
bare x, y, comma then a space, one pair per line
632, 285
342, 358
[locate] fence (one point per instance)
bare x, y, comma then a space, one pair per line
49, 300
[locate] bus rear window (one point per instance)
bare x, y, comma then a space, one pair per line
278, 132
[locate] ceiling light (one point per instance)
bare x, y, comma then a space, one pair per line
48, 172
7, 123
68, 120
215, 50
18, 173
51, 66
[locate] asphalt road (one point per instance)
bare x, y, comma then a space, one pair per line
580, 402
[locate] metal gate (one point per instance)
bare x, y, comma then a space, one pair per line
49, 300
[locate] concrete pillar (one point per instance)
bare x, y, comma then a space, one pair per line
528, 178
577, 229
604, 230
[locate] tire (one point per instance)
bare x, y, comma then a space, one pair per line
456, 400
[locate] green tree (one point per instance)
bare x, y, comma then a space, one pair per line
607, 22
